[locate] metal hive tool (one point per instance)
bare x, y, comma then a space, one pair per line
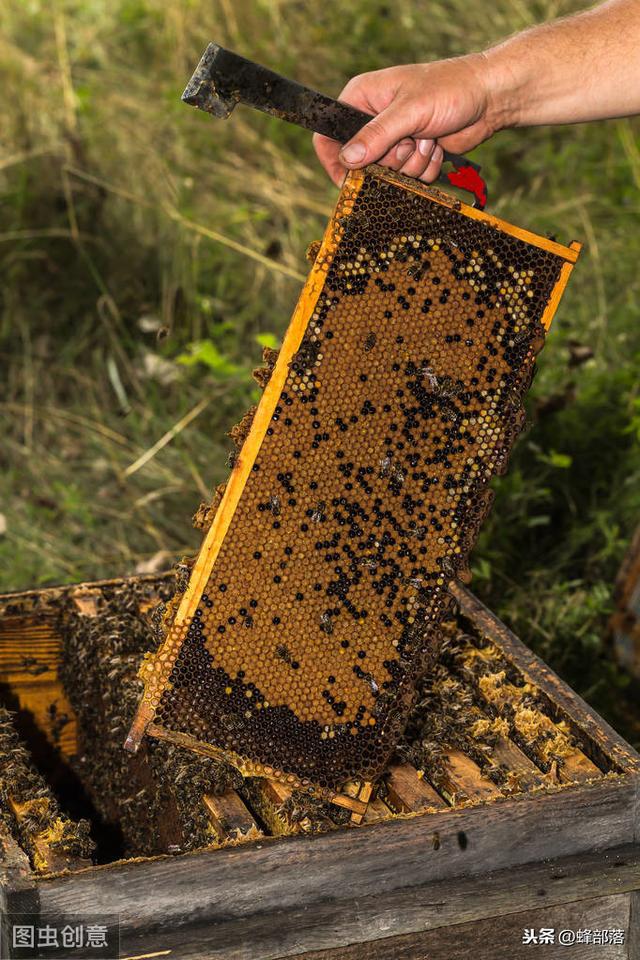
314, 604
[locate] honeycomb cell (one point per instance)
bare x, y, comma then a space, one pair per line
359, 492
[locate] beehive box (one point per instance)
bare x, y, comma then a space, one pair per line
509, 806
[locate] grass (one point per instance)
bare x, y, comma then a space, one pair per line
147, 251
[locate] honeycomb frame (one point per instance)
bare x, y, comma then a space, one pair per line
256, 727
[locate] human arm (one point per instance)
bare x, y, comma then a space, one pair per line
582, 67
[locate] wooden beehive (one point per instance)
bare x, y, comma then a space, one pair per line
510, 805
314, 605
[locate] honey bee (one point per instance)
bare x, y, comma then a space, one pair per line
307, 354
283, 653
326, 624
370, 342
392, 470
447, 388
512, 396
398, 475
385, 466
382, 704
426, 372
318, 514
449, 413
413, 582
33, 666
521, 337
182, 573
230, 722
274, 505
418, 271
370, 681
447, 566
417, 533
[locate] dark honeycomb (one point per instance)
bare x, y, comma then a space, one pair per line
400, 396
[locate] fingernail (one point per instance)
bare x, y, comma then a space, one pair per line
404, 151
438, 152
354, 152
425, 147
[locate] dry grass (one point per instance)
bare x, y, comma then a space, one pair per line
136, 232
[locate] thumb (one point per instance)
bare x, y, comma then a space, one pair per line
379, 135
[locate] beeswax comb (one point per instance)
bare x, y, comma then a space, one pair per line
314, 604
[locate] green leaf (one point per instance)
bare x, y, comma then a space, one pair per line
555, 459
206, 352
268, 340
481, 569
539, 521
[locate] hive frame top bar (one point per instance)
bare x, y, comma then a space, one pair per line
144, 720
569, 253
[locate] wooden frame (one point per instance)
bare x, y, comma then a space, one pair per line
155, 675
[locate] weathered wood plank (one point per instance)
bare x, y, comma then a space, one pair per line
634, 925
15, 869
408, 793
376, 859
31, 648
18, 890
46, 858
284, 897
599, 739
524, 772
356, 792
267, 798
376, 811
230, 818
43, 599
463, 780
337, 921
495, 940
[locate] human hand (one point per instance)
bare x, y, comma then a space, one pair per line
418, 111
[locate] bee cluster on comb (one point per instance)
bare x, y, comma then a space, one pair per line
30, 811
156, 800
314, 606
